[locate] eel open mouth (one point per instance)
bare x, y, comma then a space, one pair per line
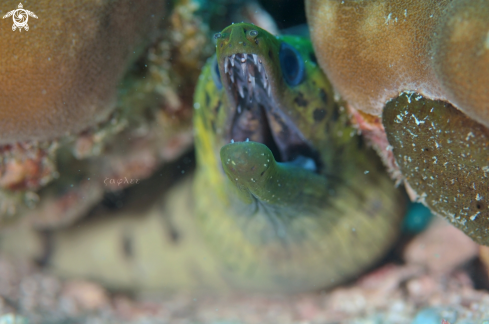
258, 117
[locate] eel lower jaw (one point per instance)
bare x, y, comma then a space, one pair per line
256, 116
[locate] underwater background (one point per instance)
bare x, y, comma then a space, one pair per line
120, 204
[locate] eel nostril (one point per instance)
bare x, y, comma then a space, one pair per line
253, 33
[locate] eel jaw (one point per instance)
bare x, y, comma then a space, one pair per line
257, 115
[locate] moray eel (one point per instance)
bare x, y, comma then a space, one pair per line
287, 195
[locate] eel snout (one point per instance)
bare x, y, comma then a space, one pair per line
258, 117
253, 169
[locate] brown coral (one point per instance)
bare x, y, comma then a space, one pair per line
461, 57
373, 50
61, 75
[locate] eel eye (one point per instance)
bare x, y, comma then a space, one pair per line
292, 64
216, 75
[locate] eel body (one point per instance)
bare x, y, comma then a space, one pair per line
287, 195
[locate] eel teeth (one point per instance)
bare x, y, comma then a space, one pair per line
255, 58
247, 76
251, 69
239, 109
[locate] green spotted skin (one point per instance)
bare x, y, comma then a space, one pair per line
444, 157
276, 227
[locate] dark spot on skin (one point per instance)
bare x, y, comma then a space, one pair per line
256, 41
319, 114
301, 101
171, 230
218, 107
213, 125
207, 99
127, 246
360, 143
270, 55
323, 95
261, 174
313, 59
479, 206
336, 114
426, 149
245, 30
174, 236
244, 44
47, 241
222, 44
252, 168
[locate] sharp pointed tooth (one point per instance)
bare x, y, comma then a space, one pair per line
255, 58
264, 81
226, 67
251, 69
231, 75
239, 109
243, 68
259, 68
232, 59
269, 90
241, 91
252, 81
244, 58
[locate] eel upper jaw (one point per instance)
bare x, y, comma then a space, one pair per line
256, 114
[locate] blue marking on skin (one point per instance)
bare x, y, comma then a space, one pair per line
417, 219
